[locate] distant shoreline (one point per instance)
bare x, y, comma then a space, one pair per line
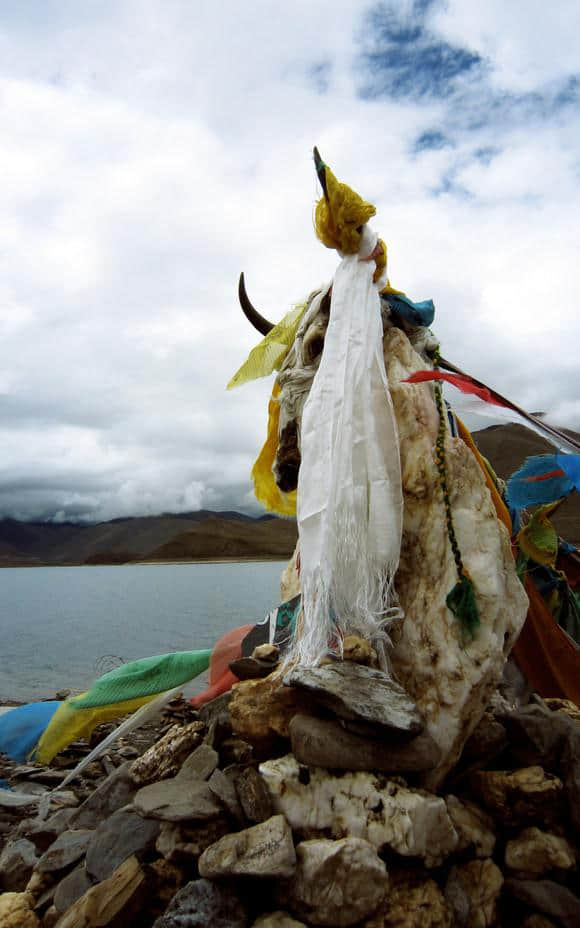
160, 563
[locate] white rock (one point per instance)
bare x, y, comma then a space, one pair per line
361, 805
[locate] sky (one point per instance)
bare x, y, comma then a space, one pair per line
150, 150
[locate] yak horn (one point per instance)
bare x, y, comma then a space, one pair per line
253, 316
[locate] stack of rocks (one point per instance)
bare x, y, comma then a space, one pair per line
300, 800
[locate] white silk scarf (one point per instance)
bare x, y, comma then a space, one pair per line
350, 503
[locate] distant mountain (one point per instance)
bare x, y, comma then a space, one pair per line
209, 535
228, 535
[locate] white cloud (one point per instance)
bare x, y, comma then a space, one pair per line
152, 151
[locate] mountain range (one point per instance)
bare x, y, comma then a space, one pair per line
210, 535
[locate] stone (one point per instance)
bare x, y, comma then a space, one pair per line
253, 794
182, 843
359, 694
277, 919
479, 883
474, 827
266, 652
43, 832
222, 786
519, 797
248, 668
164, 758
412, 902
200, 764
112, 794
549, 898
564, 706
122, 835
16, 911
570, 768
17, 862
236, 751
325, 743
357, 649
260, 710
68, 848
177, 800
536, 852
265, 850
337, 883
363, 805
120, 896
487, 740
38, 884
71, 888
536, 735
167, 879
450, 681
201, 904
537, 921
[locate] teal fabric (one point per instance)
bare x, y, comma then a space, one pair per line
421, 313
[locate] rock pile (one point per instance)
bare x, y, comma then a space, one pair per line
301, 801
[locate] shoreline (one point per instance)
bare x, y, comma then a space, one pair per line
175, 562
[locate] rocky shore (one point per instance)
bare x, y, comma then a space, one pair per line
300, 800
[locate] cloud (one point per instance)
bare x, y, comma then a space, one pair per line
151, 151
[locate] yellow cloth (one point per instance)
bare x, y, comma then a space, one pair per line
269, 354
68, 724
265, 488
539, 539
339, 218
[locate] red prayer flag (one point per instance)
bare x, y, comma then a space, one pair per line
461, 381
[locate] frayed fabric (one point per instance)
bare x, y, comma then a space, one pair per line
350, 502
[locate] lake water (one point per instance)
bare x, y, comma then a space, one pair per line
61, 627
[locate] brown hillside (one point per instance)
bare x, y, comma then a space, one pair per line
218, 538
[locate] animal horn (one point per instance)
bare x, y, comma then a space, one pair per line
321, 172
253, 316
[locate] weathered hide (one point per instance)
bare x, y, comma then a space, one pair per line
450, 680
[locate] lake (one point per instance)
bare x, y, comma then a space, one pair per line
61, 627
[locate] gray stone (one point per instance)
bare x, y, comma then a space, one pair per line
177, 800
570, 766
360, 694
123, 834
44, 832
112, 794
180, 843
200, 764
71, 888
265, 850
253, 795
68, 847
222, 786
201, 904
249, 668
17, 862
550, 898
337, 883
325, 743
